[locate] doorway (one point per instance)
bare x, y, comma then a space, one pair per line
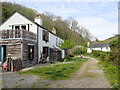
30, 52
45, 52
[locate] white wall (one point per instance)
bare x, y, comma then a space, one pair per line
50, 44
106, 49
18, 19
89, 50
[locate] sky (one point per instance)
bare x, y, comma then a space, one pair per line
100, 17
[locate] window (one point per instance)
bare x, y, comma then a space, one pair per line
28, 27
17, 27
45, 35
23, 27
106, 47
30, 52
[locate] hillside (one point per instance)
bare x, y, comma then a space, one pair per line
49, 21
111, 38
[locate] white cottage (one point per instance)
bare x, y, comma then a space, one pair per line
34, 40
48, 42
98, 46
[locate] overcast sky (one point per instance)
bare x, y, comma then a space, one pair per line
100, 17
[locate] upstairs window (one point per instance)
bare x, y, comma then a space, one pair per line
45, 35
23, 27
17, 27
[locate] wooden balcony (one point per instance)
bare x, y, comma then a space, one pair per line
13, 34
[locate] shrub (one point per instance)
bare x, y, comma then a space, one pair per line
78, 50
102, 55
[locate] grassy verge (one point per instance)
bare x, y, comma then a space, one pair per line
111, 72
58, 71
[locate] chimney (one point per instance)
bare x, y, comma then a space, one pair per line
54, 30
38, 20
88, 44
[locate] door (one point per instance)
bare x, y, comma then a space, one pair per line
30, 52
45, 52
2, 54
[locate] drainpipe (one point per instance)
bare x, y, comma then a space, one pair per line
37, 43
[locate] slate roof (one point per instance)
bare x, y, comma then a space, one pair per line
99, 45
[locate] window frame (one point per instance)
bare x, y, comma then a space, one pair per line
45, 35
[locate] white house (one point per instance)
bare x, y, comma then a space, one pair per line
47, 41
98, 46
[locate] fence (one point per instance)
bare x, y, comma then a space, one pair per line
6, 34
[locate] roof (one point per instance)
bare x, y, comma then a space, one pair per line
99, 45
56, 49
29, 20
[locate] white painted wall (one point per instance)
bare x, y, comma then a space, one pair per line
89, 50
106, 49
51, 44
18, 19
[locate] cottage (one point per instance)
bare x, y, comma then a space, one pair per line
98, 46
28, 40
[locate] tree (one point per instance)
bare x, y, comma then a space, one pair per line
8, 8
67, 44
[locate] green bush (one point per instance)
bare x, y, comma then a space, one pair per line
78, 50
102, 55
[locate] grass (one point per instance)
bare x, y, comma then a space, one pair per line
58, 71
111, 72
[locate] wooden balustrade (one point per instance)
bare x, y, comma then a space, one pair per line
6, 34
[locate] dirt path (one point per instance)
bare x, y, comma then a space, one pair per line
88, 76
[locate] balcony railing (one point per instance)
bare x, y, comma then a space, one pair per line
9, 34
